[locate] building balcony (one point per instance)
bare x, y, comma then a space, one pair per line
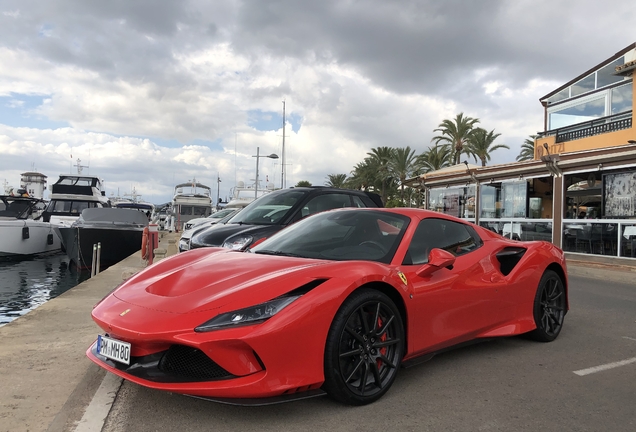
590, 128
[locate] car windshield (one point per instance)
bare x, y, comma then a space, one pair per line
340, 235
270, 209
221, 214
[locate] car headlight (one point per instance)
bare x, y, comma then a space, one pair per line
251, 315
238, 242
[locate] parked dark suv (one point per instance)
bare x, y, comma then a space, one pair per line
274, 211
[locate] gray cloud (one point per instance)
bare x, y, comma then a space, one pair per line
361, 74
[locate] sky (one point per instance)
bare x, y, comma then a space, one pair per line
147, 94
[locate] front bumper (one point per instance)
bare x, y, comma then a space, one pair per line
271, 359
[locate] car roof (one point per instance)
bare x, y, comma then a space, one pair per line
372, 195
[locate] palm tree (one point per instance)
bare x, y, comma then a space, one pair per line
362, 176
435, 158
527, 149
336, 180
455, 134
402, 166
380, 158
480, 144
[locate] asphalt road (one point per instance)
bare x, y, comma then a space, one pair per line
510, 384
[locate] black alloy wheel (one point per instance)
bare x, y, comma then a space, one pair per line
549, 307
364, 348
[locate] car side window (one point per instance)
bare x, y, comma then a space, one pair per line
326, 202
357, 202
454, 237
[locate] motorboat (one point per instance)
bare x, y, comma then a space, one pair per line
191, 200
23, 233
117, 232
243, 194
133, 201
71, 194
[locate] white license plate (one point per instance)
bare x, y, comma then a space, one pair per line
113, 349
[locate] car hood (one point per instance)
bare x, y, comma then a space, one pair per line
217, 234
206, 279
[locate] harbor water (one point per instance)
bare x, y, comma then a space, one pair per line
26, 284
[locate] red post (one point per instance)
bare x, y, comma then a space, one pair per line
153, 241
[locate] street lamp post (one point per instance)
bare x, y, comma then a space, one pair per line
218, 189
272, 156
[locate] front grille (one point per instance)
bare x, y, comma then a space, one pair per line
191, 363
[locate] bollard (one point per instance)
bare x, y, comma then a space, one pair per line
99, 257
172, 247
160, 253
94, 260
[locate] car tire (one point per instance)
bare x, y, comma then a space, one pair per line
364, 348
549, 307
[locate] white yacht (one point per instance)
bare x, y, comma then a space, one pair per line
22, 232
242, 195
71, 194
133, 201
191, 200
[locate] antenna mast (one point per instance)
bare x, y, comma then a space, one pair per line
80, 166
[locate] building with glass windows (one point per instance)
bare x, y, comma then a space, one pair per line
579, 192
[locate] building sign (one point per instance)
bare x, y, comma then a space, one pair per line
620, 195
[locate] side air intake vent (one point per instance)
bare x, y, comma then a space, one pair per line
508, 258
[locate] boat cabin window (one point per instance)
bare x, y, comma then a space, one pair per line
70, 207
77, 181
200, 211
16, 209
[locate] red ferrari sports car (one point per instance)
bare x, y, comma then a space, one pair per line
334, 304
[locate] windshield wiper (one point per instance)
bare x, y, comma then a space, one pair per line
278, 253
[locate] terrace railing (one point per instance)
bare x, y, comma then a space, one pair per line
593, 127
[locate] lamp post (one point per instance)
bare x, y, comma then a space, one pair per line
218, 189
272, 156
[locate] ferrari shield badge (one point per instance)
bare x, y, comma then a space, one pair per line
403, 277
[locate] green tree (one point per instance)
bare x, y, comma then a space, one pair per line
435, 158
527, 149
380, 159
455, 134
402, 165
480, 144
303, 183
336, 180
362, 176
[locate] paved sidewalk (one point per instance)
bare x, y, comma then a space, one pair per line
45, 378
46, 381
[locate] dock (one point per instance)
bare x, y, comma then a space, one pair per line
46, 380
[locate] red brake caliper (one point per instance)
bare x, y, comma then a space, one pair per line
382, 338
